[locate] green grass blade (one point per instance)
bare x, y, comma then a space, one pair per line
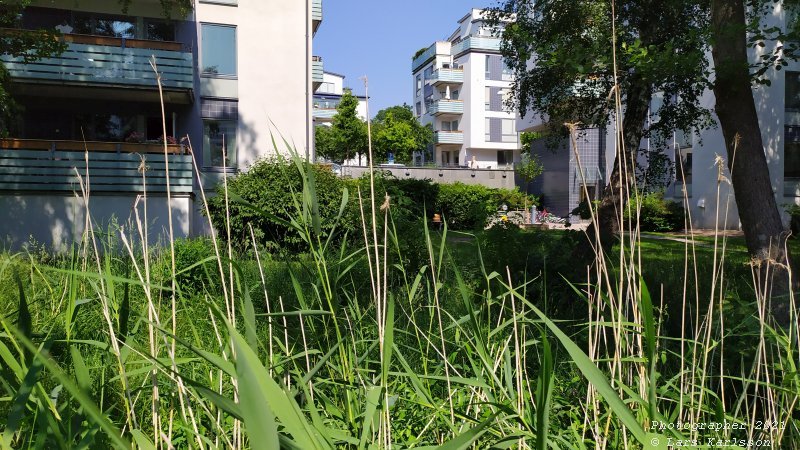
261, 397
592, 374
544, 394
90, 408
20, 406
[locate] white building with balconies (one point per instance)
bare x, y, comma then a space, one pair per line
327, 97
459, 87
233, 72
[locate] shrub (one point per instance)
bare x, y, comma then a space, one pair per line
272, 186
467, 207
657, 214
189, 252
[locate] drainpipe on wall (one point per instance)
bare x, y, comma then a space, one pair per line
309, 94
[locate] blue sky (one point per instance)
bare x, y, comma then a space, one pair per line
377, 38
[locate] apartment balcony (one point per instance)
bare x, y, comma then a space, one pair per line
446, 107
444, 77
61, 166
478, 43
448, 137
316, 71
324, 114
423, 57
107, 62
316, 14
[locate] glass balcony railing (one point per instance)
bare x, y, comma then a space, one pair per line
96, 60
476, 43
324, 114
440, 107
316, 13
448, 137
447, 76
423, 57
316, 71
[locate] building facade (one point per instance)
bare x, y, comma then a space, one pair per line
327, 97
459, 87
222, 92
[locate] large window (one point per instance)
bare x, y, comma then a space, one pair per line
505, 157
487, 135
160, 30
103, 25
683, 157
451, 125
104, 127
508, 74
509, 130
487, 98
792, 91
219, 50
219, 140
419, 85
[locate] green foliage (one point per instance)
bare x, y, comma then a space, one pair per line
29, 45
662, 43
794, 219
467, 206
583, 211
419, 52
326, 363
530, 167
168, 7
273, 186
656, 214
347, 136
395, 130
656, 173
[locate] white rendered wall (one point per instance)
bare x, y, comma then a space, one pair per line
272, 83
58, 220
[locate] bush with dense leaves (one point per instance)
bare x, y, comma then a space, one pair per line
657, 214
467, 207
272, 186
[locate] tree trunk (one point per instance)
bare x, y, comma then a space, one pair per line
736, 110
623, 176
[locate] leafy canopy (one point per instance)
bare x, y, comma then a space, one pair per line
347, 136
662, 43
396, 130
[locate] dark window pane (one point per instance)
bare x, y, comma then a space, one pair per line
792, 90
791, 168
160, 30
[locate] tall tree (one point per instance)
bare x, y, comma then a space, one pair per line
347, 136
735, 107
396, 130
579, 50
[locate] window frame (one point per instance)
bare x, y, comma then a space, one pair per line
208, 160
513, 135
235, 52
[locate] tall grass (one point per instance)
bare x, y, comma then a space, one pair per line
351, 351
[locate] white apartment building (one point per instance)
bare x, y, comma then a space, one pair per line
234, 72
459, 87
327, 97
